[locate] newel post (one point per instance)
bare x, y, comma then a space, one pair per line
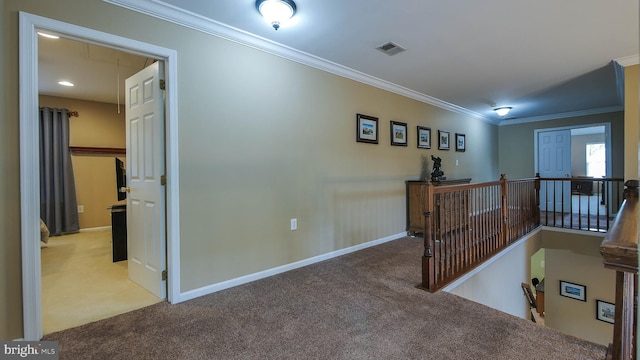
428, 262
537, 199
620, 252
504, 204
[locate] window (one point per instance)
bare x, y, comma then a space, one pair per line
596, 160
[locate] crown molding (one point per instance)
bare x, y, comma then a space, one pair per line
170, 13
628, 60
563, 115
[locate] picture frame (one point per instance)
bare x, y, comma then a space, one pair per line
424, 137
461, 144
573, 291
398, 133
366, 129
605, 311
443, 140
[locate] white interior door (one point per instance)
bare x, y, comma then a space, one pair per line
554, 161
145, 166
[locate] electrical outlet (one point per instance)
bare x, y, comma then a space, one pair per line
456, 162
294, 224
542, 264
80, 209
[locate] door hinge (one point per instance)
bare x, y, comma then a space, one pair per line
163, 180
162, 84
164, 275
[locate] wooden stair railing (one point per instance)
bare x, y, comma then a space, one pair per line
465, 225
620, 252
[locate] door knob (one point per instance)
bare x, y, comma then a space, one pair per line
125, 189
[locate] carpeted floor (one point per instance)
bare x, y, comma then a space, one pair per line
359, 306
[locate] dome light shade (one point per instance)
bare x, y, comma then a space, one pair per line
276, 11
502, 111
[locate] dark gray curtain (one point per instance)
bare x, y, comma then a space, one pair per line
58, 205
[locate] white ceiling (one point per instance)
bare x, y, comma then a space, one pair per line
97, 72
542, 57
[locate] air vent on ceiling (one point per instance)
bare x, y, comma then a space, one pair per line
390, 48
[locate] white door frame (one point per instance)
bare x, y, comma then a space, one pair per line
607, 141
29, 156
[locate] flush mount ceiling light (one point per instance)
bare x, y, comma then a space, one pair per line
65, 83
276, 11
502, 111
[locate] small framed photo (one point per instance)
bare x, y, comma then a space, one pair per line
424, 137
460, 142
367, 129
398, 133
443, 140
605, 311
574, 291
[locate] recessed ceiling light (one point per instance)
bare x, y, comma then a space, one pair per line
65, 83
49, 36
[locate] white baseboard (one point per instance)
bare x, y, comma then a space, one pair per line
209, 289
99, 228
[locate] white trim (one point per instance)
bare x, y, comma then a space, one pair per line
205, 290
176, 15
607, 141
574, 231
99, 228
564, 115
29, 181
628, 60
486, 264
29, 157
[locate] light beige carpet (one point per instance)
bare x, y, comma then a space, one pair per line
81, 284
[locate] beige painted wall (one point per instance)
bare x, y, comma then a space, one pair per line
98, 125
252, 154
576, 258
567, 256
500, 289
631, 123
520, 164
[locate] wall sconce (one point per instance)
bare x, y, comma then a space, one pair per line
502, 111
276, 11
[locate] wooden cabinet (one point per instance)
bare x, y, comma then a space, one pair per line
415, 193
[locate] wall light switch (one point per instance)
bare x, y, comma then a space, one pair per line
80, 209
456, 162
294, 224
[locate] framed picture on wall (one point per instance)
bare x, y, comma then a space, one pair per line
443, 140
366, 129
460, 142
574, 291
605, 311
398, 133
424, 137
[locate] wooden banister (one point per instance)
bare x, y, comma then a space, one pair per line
466, 224
620, 252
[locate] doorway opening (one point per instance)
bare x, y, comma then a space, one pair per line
29, 156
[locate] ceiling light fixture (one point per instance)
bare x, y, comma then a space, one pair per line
502, 111
65, 83
276, 11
